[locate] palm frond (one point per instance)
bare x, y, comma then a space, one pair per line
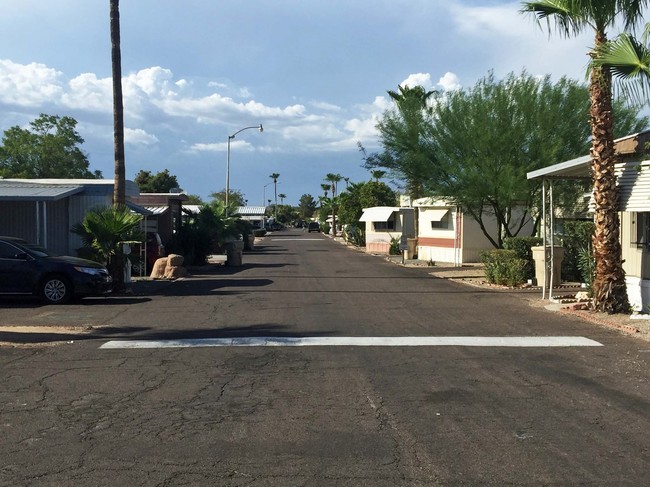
568, 21
629, 62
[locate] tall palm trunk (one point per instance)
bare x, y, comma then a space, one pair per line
610, 293
119, 192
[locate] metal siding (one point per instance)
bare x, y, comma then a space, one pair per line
78, 207
18, 219
633, 181
58, 229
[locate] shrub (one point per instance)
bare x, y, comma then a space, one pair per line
394, 246
503, 267
354, 235
587, 266
522, 248
576, 239
325, 228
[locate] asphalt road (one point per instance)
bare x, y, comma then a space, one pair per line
73, 413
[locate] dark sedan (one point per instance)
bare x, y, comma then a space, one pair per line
27, 269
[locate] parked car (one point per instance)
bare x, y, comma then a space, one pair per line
27, 269
313, 227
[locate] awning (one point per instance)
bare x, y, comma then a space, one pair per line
436, 214
138, 209
377, 214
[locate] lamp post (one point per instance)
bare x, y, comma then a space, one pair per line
230, 137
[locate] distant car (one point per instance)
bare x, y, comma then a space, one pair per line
313, 227
274, 227
27, 269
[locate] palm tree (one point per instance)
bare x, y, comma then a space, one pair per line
282, 196
325, 188
275, 177
377, 174
334, 179
572, 17
119, 188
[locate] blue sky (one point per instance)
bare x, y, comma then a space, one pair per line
314, 73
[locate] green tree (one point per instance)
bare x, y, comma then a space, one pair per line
406, 155
235, 198
282, 196
50, 148
119, 192
373, 193
194, 199
162, 182
571, 18
488, 137
306, 206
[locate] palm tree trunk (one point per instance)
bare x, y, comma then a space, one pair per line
610, 293
119, 192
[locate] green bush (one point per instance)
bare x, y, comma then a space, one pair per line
394, 246
522, 248
576, 239
325, 228
504, 267
354, 235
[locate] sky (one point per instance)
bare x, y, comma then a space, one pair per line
313, 73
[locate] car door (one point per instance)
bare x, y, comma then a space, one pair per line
16, 273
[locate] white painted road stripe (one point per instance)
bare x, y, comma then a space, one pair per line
557, 341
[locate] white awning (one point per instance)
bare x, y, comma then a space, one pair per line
377, 214
436, 214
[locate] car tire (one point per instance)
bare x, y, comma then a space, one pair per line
56, 290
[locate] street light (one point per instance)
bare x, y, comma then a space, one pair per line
230, 137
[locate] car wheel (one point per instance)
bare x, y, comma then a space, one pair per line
56, 290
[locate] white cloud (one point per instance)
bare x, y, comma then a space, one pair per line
139, 137
220, 146
87, 92
418, 79
449, 82
29, 85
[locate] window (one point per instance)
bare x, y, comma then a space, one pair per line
641, 226
383, 226
8, 251
444, 223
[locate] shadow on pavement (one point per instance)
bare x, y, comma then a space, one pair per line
147, 333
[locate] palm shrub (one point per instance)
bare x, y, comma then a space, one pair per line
522, 246
504, 267
104, 231
576, 239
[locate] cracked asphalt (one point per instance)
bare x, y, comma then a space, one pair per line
72, 414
